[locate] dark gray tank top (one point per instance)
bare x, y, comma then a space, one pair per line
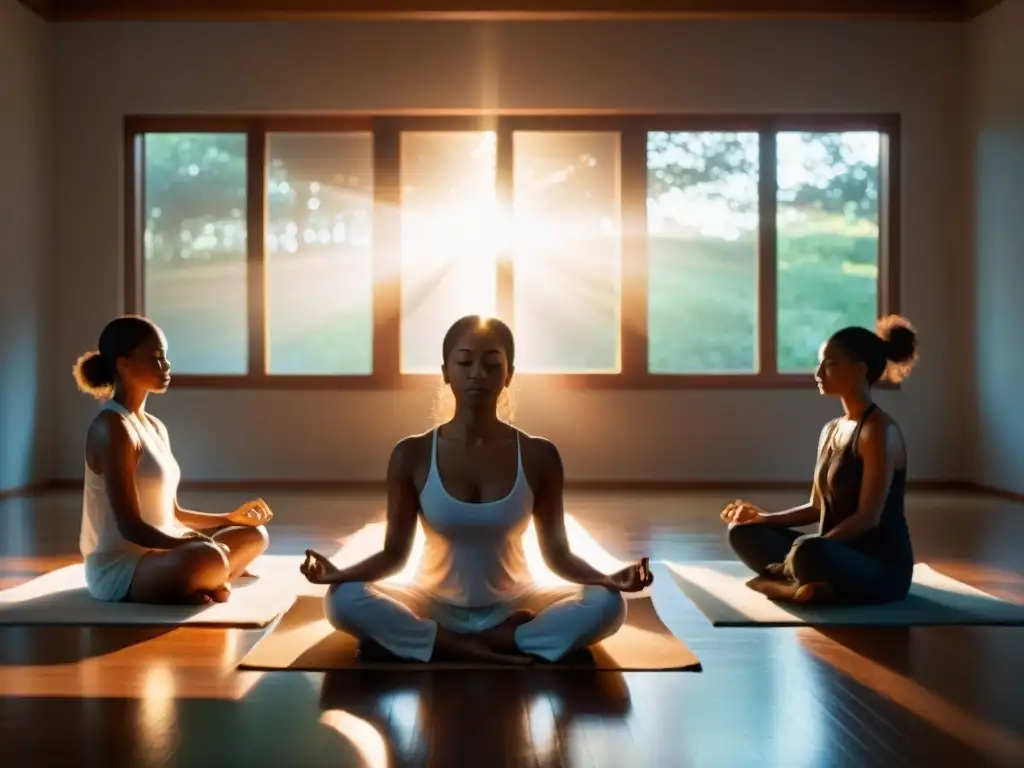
837, 480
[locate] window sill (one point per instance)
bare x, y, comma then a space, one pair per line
589, 381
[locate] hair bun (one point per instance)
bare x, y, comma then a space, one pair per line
92, 374
900, 338
901, 345
901, 351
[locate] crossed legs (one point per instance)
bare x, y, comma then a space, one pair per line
197, 571
568, 619
547, 624
847, 574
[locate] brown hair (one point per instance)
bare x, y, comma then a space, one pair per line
95, 372
889, 353
444, 403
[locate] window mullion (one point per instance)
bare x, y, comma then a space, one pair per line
256, 224
505, 261
767, 257
633, 229
387, 253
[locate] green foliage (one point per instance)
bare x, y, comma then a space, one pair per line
836, 182
194, 182
343, 343
682, 159
702, 312
702, 298
701, 306
850, 187
833, 249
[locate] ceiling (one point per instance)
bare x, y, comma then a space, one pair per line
216, 10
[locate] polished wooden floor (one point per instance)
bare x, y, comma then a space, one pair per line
766, 697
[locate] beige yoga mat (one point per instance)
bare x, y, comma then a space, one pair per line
304, 641
718, 589
60, 598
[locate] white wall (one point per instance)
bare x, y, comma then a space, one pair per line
25, 392
106, 70
996, 46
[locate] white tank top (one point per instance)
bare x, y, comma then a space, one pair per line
156, 482
473, 553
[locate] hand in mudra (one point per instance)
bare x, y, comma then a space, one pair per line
632, 578
251, 513
741, 512
317, 569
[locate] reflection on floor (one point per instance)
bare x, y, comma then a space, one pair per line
786, 697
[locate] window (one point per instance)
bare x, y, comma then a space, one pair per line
567, 251
827, 239
702, 252
625, 251
195, 247
449, 252
318, 247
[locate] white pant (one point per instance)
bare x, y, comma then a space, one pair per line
404, 620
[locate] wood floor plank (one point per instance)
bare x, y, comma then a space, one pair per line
789, 696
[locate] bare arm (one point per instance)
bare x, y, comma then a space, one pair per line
549, 519
878, 451
809, 513
118, 456
402, 513
199, 520
795, 517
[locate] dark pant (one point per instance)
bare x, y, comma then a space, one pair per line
851, 575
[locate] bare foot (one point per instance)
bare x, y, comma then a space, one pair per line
815, 592
221, 594
449, 646
774, 589
502, 638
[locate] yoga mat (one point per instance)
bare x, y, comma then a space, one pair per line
718, 589
303, 641
60, 598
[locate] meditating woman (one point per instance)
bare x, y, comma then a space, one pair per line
475, 482
861, 552
138, 543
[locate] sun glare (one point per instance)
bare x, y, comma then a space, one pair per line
450, 222
364, 737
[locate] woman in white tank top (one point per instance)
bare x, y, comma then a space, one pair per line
139, 545
475, 483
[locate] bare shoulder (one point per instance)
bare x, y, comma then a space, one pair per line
540, 450
879, 422
108, 427
880, 432
541, 461
108, 436
411, 453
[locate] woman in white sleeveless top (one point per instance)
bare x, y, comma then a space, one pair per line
475, 483
138, 543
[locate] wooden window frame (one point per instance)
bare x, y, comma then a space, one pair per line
632, 128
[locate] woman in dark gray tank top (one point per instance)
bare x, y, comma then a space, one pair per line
861, 552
